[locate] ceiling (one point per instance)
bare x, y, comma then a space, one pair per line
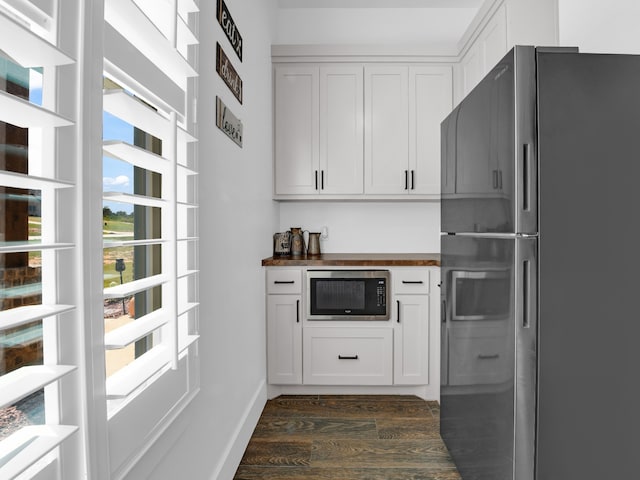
379, 3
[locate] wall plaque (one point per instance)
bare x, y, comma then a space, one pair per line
228, 122
228, 73
229, 27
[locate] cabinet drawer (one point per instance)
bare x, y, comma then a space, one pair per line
284, 281
347, 356
479, 360
411, 280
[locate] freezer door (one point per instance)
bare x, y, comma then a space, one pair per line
488, 156
487, 396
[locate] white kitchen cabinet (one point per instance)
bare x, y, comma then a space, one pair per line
486, 51
284, 326
347, 356
296, 129
498, 26
318, 130
404, 107
386, 116
430, 101
341, 130
411, 334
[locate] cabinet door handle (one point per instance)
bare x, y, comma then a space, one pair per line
489, 357
321, 179
500, 179
413, 282
495, 179
297, 311
347, 357
406, 179
281, 282
398, 319
316, 179
413, 182
443, 312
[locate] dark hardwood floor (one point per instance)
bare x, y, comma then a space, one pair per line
331, 437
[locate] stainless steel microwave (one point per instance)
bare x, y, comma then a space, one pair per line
348, 294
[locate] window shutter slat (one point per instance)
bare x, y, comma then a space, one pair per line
22, 113
129, 288
136, 156
19, 383
187, 273
19, 180
14, 247
132, 243
28, 49
21, 315
134, 199
136, 113
35, 441
133, 331
122, 61
122, 383
188, 307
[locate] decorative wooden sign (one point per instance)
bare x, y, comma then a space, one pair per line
228, 73
228, 122
229, 27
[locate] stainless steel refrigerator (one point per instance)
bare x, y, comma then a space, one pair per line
541, 270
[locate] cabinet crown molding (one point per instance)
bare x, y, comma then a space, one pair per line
364, 53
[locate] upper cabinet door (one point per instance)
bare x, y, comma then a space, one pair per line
341, 129
386, 114
296, 130
430, 101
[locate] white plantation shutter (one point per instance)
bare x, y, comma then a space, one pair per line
28, 36
149, 51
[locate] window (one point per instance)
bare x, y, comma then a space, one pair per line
35, 309
149, 218
50, 408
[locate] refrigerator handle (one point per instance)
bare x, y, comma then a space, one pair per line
527, 176
526, 284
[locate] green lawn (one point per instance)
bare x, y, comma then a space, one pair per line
117, 226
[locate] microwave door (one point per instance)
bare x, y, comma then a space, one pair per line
477, 390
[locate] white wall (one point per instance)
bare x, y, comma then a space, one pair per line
368, 227
600, 27
377, 26
237, 219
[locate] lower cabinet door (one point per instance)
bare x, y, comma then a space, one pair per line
411, 340
348, 356
284, 339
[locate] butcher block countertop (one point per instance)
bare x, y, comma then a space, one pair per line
355, 260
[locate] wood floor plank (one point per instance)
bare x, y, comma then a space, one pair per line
277, 452
299, 427
352, 408
428, 454
408, 428
313, 473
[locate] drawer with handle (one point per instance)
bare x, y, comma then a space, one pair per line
410, 281
347, 356
284, 281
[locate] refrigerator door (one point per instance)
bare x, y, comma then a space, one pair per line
487, 397
488, 155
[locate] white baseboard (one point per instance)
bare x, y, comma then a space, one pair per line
238, 443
